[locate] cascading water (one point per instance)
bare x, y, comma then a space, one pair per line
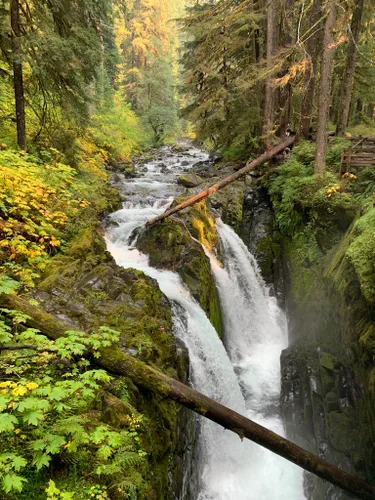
255, 335
229, 469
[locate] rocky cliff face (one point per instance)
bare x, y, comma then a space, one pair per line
326, 402
319, 399
326, 372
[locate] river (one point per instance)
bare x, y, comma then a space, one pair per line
243, 372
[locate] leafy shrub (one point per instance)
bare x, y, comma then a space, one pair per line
115, 129
47, 416
39, 198
299, 198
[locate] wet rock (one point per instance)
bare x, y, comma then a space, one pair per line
184, 465
259, 233
332, 402
215, 158
314, 415
125, 168
190, 180
170, 245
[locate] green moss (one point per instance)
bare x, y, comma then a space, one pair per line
268, 250
326, 361
190, 180
86, 286
232, 198
170, 245
361, 253
341, 431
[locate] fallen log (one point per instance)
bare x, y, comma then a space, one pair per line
115, 361
224, 182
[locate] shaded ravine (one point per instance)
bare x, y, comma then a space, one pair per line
248, 379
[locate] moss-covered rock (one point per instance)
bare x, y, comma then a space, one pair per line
230, 201
361, 252
341, 434
172, 244
190, 180
86, 289
321, 416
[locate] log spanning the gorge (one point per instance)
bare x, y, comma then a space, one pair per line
114, 360
224, 182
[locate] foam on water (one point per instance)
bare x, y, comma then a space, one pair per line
246, 380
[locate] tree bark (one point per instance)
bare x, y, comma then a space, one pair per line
284, 92
348, 80
313, 50
325, 88
18, 74
370, 111
116, 361
224, 182
270, 97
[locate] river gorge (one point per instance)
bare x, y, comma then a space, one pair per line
243, 370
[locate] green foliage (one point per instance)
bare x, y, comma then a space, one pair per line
47, 412
223, 104
299, 198
54, 493
361, 253
312, 214
7, 284
62, 60
157, 104
116, 130
148, 74
39, 196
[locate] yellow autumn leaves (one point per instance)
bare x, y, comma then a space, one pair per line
17, 389
37, 201
337, 188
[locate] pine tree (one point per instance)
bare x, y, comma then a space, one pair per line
325, 88
348, 79
58, 46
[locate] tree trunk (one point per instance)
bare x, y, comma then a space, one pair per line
18, 74
325, 88
348, 80
370, 111
224, 182
313, 48
270, 98
284, 93
116, 361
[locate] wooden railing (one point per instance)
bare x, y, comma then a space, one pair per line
361, 154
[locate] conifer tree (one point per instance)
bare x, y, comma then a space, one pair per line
59, 43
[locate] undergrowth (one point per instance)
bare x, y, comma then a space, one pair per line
48, 195
49, 422
313, 215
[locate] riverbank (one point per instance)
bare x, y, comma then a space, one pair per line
81, 284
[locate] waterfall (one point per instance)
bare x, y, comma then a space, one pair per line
255, 334
245, 377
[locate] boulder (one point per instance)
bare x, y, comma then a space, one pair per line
190, 180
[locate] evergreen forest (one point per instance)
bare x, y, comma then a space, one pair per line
187, 245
